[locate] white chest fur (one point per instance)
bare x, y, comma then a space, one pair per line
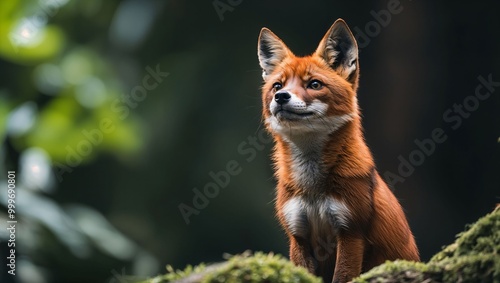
308, 217
306, 151
306, 165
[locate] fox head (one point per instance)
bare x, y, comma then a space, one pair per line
311, 94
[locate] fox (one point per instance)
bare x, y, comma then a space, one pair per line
340, 216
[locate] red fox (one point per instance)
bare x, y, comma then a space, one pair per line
340, 216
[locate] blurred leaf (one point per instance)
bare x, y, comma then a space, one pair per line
78, 65
47, 212
7, 9
4, 113
49, 42
64, 128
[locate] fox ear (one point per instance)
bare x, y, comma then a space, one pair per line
340, 50
271, 51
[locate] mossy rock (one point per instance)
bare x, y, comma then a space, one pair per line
473, 257
259, 267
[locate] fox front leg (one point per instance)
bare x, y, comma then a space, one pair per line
350, 250
301, 254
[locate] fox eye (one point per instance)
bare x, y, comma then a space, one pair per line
315, 84
277, 86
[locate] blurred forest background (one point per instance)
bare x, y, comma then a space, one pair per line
114, 114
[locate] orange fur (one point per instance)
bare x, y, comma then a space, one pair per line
360, 222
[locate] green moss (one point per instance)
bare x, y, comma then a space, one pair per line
470, 268
174, 275
400, 271
481, 238
259, 267
473, 257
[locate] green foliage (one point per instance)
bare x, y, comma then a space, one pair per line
59, 95
72, 84
25, 37
259, 267
4, 112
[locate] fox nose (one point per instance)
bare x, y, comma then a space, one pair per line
282, 97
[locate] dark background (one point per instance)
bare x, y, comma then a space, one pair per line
415, 67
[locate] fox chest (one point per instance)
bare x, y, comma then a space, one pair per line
315, 218
312, 214
306, 166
